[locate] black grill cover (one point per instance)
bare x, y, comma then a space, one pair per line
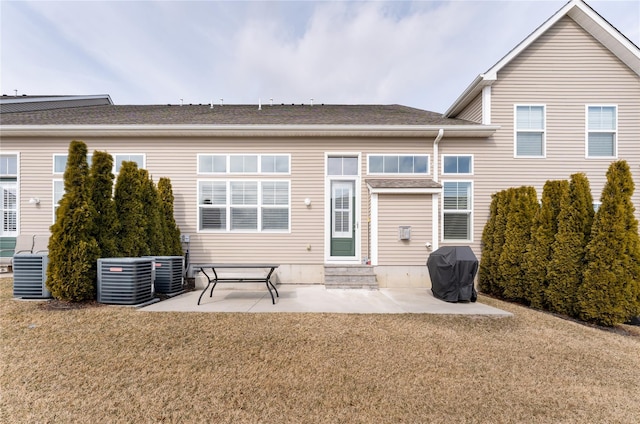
452, 270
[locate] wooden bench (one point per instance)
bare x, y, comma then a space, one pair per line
249, 279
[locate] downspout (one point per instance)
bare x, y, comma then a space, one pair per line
435, 206
435, 153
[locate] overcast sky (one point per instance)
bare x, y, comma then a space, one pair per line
417, 53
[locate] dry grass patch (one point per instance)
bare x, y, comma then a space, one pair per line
113, 364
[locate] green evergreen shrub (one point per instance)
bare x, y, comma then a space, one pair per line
154, 231
106, 225
73, 252
491, 281
132, 239
610, 292
487, 258
539, 251
172, 244
520, 218
565, 269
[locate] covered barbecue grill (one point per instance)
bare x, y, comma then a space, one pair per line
452, 270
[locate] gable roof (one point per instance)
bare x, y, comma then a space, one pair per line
623, 48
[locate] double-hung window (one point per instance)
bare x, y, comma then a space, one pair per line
602, 129
530, 131
212, 198
457, 210
275, 205
9, 195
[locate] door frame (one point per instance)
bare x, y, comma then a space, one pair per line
357, 209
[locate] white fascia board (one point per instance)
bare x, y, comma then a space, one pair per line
472, 131
468, 95
623, 48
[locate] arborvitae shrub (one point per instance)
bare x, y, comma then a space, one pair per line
106, 225
487, 259
492, 281
520, 219
73, 252
172, 244
132, 239
565, 269
154, 231
539, 251
610, 292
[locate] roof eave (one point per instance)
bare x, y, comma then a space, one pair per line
469, 94
471, 131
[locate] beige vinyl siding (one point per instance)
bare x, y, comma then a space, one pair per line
565, 69
396, 210
177, 159
473, 111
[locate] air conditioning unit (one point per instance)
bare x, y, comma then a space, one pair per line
30, 276
125, 281
168, 274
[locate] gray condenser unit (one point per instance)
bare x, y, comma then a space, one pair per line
168, 270
30, 276
125, 281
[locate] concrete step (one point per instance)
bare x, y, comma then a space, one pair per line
350, 277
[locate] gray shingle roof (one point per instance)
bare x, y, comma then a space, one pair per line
232, 115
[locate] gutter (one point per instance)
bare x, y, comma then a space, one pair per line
463, 131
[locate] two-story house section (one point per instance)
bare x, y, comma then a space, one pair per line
567, 100
312, 187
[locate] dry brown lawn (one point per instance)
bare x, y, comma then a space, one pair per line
110, 364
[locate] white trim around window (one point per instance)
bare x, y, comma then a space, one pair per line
398, 164
60, 162
457, 211
249, 164
57, 193
529, 131
244, 206
139, 158
457, 164
601, 131
9, 194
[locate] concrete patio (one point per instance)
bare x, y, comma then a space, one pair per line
318, 299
